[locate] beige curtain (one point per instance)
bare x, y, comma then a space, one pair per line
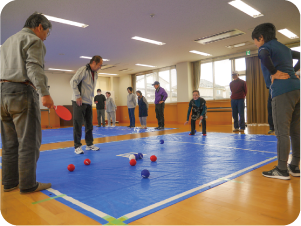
196, 75
134, 83
258, 93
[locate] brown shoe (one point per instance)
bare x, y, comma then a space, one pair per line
10, 189
41, 186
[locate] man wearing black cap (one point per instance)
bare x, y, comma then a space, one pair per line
100, 101
160, 97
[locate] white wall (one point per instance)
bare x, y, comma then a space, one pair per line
184, 81
60, 89
124, 82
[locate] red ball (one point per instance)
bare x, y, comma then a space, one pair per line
71, 167
133, 162
153, 158
87, 161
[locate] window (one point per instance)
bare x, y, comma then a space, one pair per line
216, 77
140, 84
206, 81
167, 79
222, 72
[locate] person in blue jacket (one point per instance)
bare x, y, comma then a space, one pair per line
284, 86
199, 109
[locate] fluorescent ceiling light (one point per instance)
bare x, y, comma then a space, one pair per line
54, 69
288, 33
245, 8
148, 40
106, 74
63, 21
87, 57
200, 53
145, 65
296, 48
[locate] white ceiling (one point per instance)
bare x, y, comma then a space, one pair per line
112, 23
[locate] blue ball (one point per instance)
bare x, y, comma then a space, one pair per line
140, 156
136, 156
145, 173
161, 141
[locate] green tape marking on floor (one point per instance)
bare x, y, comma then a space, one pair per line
44, 200
230, 180
114, 221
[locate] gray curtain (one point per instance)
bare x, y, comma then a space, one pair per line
258, 94
196, 75
134, 83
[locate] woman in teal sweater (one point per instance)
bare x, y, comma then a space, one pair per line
199, 109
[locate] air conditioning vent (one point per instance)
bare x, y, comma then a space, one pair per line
107, 66
126, 69
220, 36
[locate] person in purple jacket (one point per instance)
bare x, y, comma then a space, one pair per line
160, 97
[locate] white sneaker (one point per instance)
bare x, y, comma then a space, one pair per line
92, 147
108, 125
112, 126
79, 150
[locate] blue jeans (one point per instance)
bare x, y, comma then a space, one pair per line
132, 116
238, 108
21, 135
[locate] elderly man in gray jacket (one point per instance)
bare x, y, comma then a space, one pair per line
22, 81
83, 85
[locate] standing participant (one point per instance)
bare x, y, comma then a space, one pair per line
83, 84
279, 75
111, 108
131, 103
238, 89
199, 109
22, 81
100, 101
160, 98
143, 109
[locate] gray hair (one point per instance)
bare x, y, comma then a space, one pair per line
36, 19
96, 58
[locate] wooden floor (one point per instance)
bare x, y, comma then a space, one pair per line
256, 201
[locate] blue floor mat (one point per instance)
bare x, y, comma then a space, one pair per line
66, 134
111, 191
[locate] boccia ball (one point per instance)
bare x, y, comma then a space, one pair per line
153, 158
87, 161
133, 162
132, 157
140, 156
145, 173
71, 167
161, 141
136, 156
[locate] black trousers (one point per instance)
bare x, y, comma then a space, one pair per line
160, 114
82, 114
203, 126
270, 116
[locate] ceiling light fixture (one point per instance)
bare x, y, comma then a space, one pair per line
87, 57
298, 48
63, 21
148, 40
200, 53
288, 33
106, 74
145, 65
245, 8
55, 69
